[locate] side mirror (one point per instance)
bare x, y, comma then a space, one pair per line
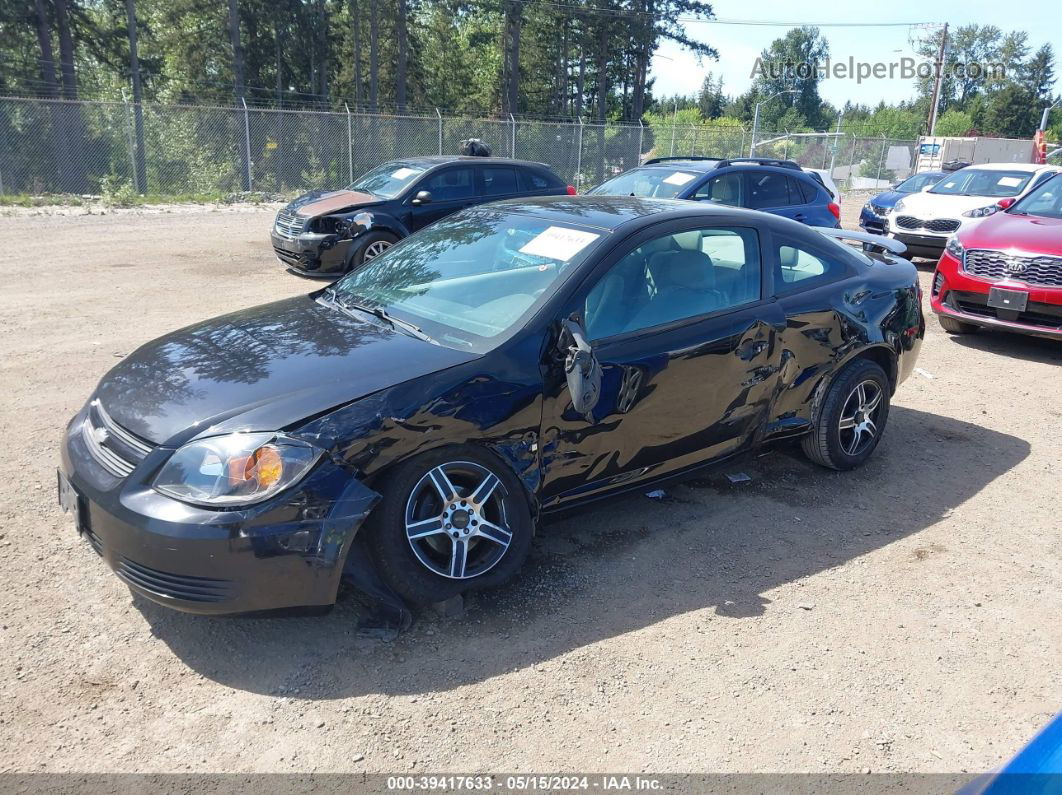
422, 197
926, 188
1004, 203
581, 369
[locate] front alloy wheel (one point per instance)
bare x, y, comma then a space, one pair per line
455, 520
449, 521
375, 249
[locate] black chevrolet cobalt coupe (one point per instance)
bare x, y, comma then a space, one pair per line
506, 362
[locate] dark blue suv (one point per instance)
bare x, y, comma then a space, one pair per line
780, 187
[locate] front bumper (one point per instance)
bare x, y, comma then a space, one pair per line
312, 254
961, 296
286, 552
871, 222
930, 246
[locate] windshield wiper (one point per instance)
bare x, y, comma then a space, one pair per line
378, 312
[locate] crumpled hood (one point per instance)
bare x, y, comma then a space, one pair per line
323, 202
265, 368
935, 205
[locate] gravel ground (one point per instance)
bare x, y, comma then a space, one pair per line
904, 617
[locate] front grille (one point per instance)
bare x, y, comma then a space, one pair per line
941, 225
172, 586
1043, 271
878, 209
114, 448
289, 224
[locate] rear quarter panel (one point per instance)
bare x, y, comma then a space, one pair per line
876, 312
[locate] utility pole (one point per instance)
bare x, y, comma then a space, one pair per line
937, 81
140, 172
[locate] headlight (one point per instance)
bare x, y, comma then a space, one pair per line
237, 469
954, 247
898, 206
868, 208
981, 212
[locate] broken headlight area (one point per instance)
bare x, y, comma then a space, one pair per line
343, 225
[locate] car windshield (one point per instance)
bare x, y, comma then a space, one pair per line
917, 182
388, 180
983, 182
660, 183
1044, 201
468, 280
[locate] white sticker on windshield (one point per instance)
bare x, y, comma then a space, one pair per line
402, 173
679, 178
559, 243
1010, 182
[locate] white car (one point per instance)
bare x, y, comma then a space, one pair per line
924, 221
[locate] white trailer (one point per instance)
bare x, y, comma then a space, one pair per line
935, 151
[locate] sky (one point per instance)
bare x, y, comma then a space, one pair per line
677, 71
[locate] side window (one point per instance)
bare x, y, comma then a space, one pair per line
800, 191
725, 188
674, 277
533, 181
799, 269
453, 183
499, 181
767, 189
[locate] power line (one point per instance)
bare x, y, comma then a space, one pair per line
619, 12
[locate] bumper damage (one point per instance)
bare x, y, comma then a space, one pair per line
312, 253
288, 552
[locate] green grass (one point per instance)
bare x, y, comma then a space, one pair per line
120, 200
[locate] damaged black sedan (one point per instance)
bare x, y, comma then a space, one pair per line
420, 416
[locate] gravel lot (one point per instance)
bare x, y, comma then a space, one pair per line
904, 617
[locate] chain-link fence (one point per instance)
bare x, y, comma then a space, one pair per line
54, 146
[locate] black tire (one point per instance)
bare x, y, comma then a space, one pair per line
953, 326
365, 247
406, 564
832, 446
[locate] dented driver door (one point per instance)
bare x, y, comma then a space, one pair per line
688, 352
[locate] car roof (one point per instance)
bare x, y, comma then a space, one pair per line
612, 212
1030, 167
431, 161
684, 165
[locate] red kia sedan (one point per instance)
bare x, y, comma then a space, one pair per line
1006, 272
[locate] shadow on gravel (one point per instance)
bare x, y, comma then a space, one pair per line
710, 546
1015, 346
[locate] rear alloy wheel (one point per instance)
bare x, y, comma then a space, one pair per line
449, 522
852, 418
953, 326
